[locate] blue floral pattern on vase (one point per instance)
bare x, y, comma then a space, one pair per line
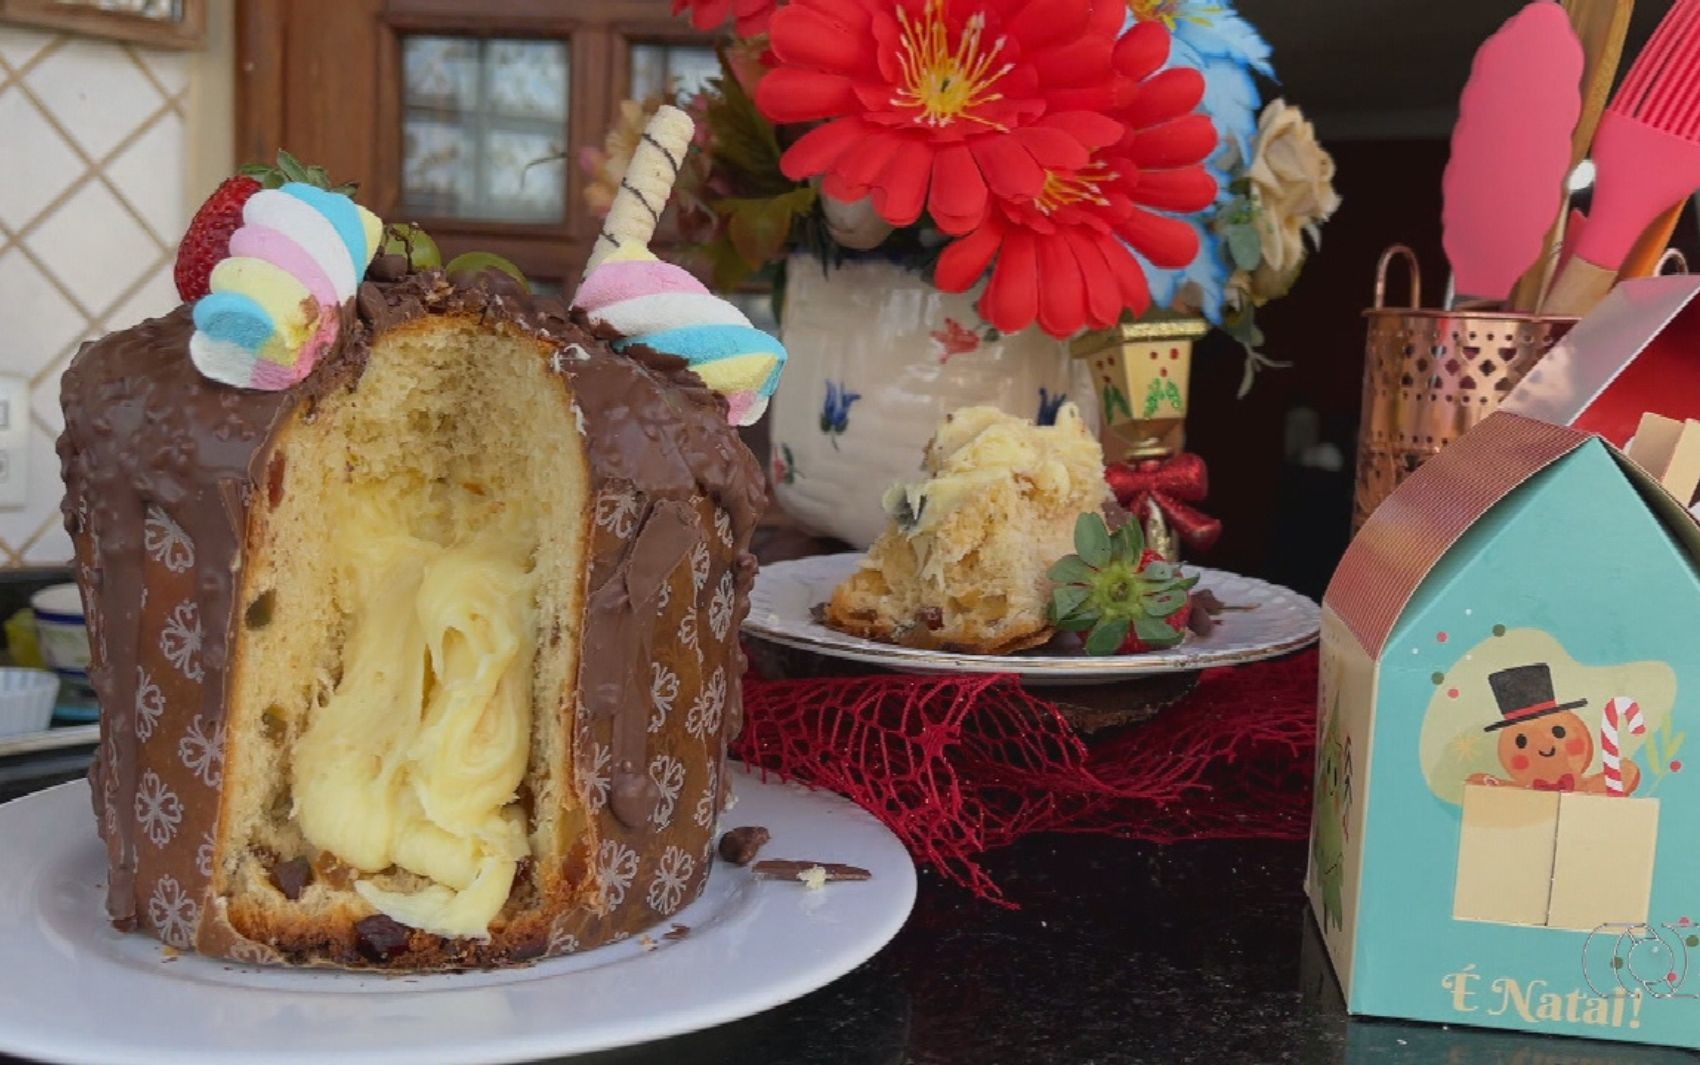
1049, 405
835, 412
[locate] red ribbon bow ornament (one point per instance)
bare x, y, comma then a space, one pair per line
1174, 483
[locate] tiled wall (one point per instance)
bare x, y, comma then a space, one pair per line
94, 175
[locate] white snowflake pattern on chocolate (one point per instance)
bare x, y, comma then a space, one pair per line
672, 873
617, 512
109, 763
561, 941
204, 854
688, 631
150, 703
723, 527
664, 596
158, 810
174, 913
663, 689
704, 813
202, 752
720, 610
180, 640
668, 773
166, 542
616, 867
594, 777
699, 566
705, 713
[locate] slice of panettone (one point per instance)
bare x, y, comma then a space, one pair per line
961, 566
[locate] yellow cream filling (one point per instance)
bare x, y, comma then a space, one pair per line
415, 760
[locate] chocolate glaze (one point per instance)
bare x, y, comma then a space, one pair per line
151, 445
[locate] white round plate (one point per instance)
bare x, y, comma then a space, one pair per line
1278, 621
74, 990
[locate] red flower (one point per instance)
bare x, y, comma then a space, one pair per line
1062, 256
752, 15
941, 104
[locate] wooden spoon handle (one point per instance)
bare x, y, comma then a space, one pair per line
1580, 286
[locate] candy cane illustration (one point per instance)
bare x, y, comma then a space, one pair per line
1623, 715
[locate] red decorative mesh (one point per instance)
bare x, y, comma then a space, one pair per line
957, 765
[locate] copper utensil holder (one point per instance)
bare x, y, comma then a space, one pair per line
1429, 375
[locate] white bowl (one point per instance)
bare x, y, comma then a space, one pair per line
61, 632
26, 700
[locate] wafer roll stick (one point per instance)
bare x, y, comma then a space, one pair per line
644, 189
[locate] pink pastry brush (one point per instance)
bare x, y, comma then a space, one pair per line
1647, 151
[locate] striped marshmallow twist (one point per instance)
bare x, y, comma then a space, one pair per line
274, 305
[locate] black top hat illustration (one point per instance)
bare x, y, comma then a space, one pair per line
1525, 692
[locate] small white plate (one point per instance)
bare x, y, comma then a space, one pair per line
1278, 621
74, 990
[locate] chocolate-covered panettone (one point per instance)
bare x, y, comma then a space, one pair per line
428, 659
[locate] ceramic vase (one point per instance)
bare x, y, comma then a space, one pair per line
878, 357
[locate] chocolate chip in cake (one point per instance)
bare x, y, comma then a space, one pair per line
741, 845
932, 617
292, 877
259, 612
274, 722
379, 938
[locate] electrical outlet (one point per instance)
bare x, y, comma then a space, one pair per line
14, 442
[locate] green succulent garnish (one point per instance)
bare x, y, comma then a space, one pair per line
1106, 589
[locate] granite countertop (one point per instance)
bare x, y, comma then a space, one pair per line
1122, 952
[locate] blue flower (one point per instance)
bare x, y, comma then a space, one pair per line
835, 412
1212, 38
1207, 29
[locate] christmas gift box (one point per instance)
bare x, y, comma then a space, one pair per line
1504, 834
1634, 354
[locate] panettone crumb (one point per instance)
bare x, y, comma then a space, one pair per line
961, 565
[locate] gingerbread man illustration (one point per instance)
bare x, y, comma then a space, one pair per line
1543, 745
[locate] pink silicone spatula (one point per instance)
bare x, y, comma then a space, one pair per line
1647, 154
1511, 150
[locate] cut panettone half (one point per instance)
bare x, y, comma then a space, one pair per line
401, 692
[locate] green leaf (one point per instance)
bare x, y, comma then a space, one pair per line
1162, 604
1106, 636
1092, 539
1128, 542
1066, 599
760, 228
1244, 246
1156, 632
1076, 622
292, 168
1160, 572
473, 263
1071, 569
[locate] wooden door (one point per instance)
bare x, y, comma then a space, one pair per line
466, 118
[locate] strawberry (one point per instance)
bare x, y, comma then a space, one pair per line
208, 238
1126, 598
